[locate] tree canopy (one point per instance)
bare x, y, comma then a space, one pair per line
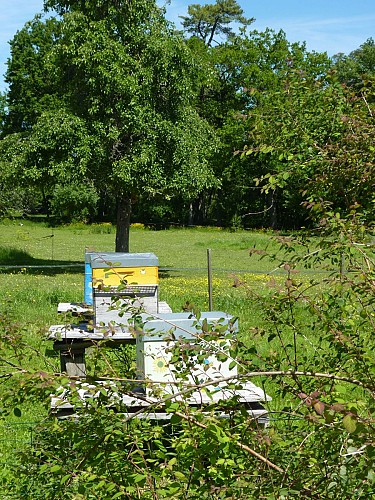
210, 20
124, 82
110, 100
358, 66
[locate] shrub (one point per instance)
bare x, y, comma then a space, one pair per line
74, 203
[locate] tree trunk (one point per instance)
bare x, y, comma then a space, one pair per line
191, 214
124, 208
273, 209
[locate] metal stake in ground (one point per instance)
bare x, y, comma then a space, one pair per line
209, 279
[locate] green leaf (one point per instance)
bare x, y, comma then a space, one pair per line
232, 365
350, 423
55, 468
171, 407
175, 419
180, 476
139, 478
65, 478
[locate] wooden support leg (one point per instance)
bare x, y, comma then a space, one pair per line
73, 362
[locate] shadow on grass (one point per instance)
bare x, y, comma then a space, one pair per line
15, 260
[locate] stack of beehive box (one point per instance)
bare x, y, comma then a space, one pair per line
118, 284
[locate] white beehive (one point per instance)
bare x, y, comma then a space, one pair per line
155, 349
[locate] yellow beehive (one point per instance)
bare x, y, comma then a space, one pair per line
112, 269
112, 277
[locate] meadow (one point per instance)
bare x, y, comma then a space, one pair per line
34, 292
43, 266
289, 316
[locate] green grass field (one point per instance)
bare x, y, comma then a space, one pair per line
32, 243
34, 292
43, 266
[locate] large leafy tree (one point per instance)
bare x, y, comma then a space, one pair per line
33, 86
249, 74
33, 90
357, 67
211, 31
262, 75
259, 66
127, 126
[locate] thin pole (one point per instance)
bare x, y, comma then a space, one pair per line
52, 245
209, 279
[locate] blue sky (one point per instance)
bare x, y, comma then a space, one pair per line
326, 25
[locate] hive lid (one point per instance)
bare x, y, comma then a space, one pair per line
183, 325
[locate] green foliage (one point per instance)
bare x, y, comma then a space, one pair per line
74, 202
207, 21
357, 67
17, 201
310, 144
244, 97
110, 95
33, 87
344, 169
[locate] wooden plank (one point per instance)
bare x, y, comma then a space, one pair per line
136, 405
81, 332
65, 307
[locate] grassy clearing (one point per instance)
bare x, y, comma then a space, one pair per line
176, 248
30, 295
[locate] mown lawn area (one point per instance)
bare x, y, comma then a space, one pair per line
34, 292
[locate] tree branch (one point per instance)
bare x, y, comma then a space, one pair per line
192, 387
237, 443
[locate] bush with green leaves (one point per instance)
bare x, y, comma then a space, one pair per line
16, 201
74, 202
